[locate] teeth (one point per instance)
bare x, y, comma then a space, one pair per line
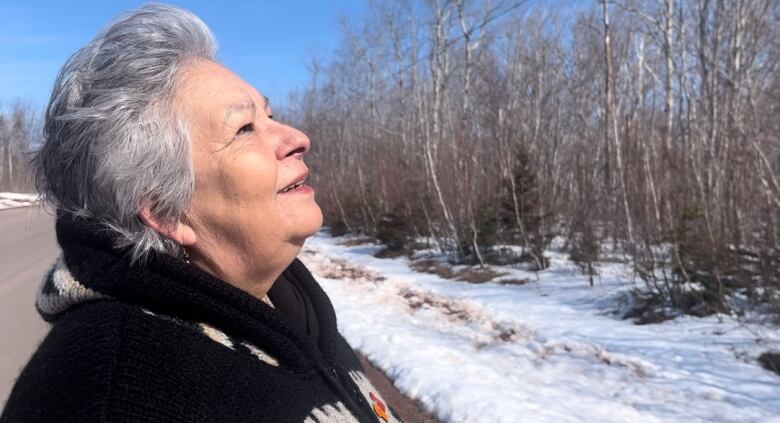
293, 186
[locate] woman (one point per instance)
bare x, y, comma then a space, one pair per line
181, 206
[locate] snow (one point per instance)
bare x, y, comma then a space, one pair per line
10, 200
550, 350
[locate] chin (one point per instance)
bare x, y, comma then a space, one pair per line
315, 222
309, 223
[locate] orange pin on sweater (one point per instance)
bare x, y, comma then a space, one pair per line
379, 407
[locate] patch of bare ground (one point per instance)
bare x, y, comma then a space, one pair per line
352, 242
333, 268
407, 409
456, 311
392, 253
770, 361
444, 270
513, 281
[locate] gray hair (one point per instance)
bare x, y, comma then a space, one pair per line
112, 141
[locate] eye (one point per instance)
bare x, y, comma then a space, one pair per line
271, 117
249, 127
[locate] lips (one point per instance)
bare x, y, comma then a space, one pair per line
297, 183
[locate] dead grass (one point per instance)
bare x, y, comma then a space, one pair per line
457, 312
342, 269
444, 270
352, 242
392, 253
474, 275
522, 281
432, 266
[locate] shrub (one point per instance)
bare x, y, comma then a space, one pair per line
392, 231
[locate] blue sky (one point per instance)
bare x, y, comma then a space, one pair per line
266, 42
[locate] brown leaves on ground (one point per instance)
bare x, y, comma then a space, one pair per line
444, 270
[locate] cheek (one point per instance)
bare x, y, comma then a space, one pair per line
247, 177
231, 186
232, 193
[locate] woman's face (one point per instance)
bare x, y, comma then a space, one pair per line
251, 211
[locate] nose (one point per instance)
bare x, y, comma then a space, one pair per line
292, 143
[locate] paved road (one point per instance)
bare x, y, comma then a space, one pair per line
27, 249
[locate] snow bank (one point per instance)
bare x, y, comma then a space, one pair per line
546, 351
10, 200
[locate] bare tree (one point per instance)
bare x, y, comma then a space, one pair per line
649, 125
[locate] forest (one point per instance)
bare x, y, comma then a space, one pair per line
642, 130
19, 135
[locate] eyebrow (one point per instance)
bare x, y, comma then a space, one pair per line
236, 108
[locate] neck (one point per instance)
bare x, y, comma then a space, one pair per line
238, 269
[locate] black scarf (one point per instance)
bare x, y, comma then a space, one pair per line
300, 335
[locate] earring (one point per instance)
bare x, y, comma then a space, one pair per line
186, 256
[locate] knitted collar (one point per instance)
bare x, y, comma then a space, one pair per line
91, 268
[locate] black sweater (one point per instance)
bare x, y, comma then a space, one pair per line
166, 342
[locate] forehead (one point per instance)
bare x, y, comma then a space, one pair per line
208, 87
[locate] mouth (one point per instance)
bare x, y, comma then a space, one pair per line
297, 185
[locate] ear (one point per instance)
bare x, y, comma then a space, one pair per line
181, 233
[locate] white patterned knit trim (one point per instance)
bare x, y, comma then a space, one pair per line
328, 413
68, 290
